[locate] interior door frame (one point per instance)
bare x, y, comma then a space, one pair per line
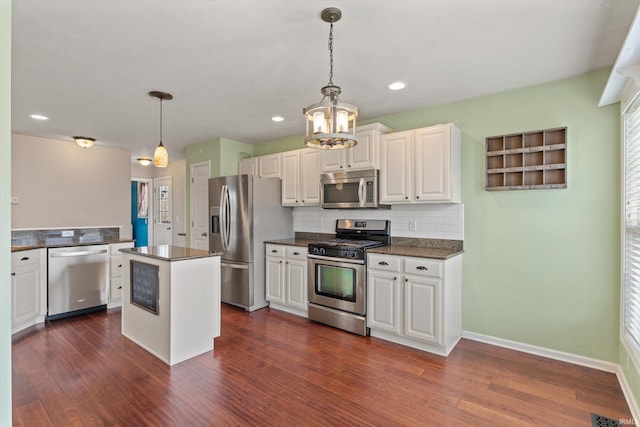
192, 166
150, 211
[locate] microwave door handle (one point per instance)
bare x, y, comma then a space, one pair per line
362, 190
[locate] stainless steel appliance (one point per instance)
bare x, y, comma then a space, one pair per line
337, 274
245, 211
77, 280
355, 189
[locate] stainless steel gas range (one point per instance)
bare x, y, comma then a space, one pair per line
337, 274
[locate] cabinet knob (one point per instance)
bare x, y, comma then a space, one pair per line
13, 274
406, 280
280, 262
349, 166
119, 287
421, 267
119, 265
417, 197
203, 234
383, 263
340, 166
395, 278
296, 253
287, 262
303, 201
274, 251
406, 197
24, 258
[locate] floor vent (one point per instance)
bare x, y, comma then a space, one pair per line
600, 421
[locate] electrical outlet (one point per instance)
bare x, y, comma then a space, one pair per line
15, 200
67, 233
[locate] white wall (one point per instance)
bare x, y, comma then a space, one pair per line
60, 184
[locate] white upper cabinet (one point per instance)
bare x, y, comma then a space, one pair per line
421, 165
269, 166
301, 177
365, 155
248, 166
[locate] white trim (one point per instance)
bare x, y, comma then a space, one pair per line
575, 359
628, 394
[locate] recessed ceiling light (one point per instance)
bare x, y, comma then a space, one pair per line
397, 85
39, 117
277, 118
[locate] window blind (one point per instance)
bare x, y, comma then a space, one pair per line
631, 300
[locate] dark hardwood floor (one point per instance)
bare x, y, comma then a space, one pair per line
270, 368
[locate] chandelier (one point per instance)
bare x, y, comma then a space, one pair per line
331, 123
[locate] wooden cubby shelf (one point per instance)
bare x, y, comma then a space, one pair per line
529, 160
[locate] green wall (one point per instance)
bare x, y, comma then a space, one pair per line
541, 266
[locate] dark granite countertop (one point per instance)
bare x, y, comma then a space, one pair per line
419, 252
170, 253
18, 248
401, 246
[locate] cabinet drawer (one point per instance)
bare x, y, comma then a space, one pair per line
115, 291
423, 267
275, 250
116, 265
296, 252
25, 257
115, 247
384, 262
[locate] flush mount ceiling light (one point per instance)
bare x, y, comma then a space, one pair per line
144, 161
84, 141
161, 156
277, 118
331, 124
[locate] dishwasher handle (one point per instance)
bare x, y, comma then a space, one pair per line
78, 253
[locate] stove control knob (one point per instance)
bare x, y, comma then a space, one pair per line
323, 251
319, 251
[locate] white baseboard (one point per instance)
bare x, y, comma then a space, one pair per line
564, 357
545, 352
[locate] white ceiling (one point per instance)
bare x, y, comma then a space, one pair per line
232, 65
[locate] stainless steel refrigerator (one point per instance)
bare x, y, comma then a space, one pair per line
244, 212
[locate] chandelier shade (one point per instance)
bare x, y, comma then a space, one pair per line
331, 124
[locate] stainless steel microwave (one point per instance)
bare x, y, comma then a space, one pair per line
350, 190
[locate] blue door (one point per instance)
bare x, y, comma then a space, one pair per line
140, 212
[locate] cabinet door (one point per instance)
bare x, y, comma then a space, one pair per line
275, 279
396, 170
25, 295
248, 166
365, 153
433, 163
296, 287
269, 166
310, 177
291, 178
383, 301
422, 309
333, 160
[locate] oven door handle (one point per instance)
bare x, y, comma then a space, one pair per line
336, 260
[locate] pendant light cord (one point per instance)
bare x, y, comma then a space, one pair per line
331, 54
160, 121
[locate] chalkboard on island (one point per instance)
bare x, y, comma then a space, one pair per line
144, 286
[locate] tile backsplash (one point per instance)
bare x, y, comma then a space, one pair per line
435, 221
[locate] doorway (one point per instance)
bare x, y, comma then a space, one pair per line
200, 205
141, 212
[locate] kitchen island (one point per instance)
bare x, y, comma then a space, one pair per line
171, 300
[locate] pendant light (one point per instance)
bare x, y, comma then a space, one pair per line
161, 156
331, 124
84, 141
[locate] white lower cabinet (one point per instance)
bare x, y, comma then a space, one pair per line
28, 288
416, 302
286, 278
115, 273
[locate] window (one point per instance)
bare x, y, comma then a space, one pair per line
631, 255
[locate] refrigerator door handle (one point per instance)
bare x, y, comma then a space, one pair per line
223, 221
231, 265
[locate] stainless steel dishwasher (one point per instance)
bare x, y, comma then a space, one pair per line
77, 280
